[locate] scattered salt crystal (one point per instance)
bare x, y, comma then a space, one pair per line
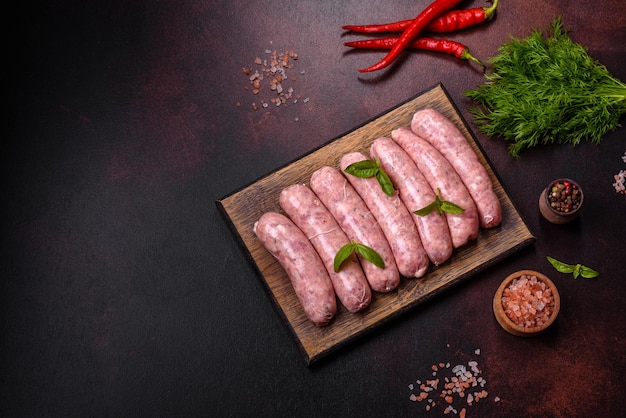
273, 68
477, 351
459, 369
456, 385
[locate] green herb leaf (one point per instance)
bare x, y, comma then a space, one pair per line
385, 182
426, 209
587, 272
363, 169
547, 89
576, 269
342, 255
560, 266
372, 168
361, 249
369, 254
440, 206
450, 207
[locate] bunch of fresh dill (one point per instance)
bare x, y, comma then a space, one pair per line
547, 89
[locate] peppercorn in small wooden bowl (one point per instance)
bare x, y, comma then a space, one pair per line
526, 303
561, 201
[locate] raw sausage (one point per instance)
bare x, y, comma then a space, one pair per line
416, 193
441, 175
293, 250
394, 219
317, 223
353, 216
446, 137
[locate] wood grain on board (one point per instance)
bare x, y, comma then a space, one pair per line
243, 208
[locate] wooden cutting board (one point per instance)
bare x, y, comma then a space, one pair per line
242, 208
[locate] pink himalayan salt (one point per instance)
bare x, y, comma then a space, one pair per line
528, 301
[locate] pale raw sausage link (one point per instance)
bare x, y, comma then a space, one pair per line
416, 193
295, 253
441, 175
353, 216
394, 219
450, 141
317, 223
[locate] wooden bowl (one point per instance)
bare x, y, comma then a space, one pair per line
553, 215
513, 327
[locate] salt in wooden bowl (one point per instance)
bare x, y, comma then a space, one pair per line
530, 327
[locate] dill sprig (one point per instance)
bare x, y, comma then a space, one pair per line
547, 89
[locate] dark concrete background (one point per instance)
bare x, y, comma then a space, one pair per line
125, 294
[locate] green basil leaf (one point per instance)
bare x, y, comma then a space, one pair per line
363, 169
560, 266
440, 206
426, 209
588, 273
371, 168
342, 255
438, 202
576, 270
450, 207
369, 254
385, 182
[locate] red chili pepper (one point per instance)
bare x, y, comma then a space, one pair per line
448, 22
422, 20
461, 19
428, 44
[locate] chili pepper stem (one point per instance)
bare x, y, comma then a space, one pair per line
466, 55
489, 11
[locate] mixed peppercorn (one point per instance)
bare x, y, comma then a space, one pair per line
564, 196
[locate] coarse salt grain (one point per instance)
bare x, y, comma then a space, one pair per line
273, 71
620, 182
527, 301
456, 386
